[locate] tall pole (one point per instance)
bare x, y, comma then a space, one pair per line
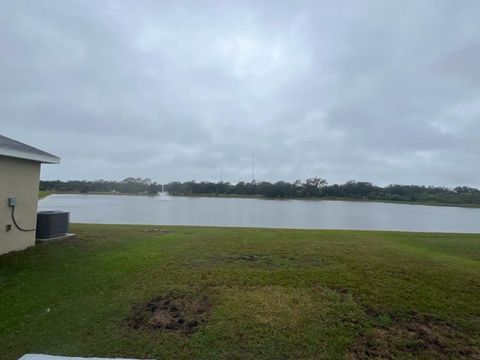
253, 166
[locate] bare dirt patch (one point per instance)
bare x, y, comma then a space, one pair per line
158, 231
181, 314
248, 257
340, 290
412, 337
271, 260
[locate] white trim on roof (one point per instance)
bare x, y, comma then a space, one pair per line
43, 158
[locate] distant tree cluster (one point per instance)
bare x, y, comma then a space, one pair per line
311, 188
127, 186
319, 188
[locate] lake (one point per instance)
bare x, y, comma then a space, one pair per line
304, 214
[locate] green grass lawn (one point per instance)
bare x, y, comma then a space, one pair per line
42, 194
268, 293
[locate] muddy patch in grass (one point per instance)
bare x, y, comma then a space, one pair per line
248, 257
270, 260
414, 336
158, 231
340, 290
174, 313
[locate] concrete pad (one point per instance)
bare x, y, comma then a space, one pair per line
61, 237
51, 357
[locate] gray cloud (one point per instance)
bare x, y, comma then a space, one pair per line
380, 91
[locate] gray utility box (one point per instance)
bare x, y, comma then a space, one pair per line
52, 224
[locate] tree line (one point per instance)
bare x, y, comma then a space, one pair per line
319, 188
311, 188
129, 185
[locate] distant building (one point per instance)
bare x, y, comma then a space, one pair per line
19, 185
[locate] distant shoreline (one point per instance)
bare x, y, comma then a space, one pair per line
44, 194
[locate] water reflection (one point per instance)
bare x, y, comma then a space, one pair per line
307, 214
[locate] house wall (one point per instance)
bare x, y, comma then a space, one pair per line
18, 178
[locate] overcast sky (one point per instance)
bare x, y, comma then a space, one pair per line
381, 91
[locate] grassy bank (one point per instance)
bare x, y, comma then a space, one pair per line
43, 194
189, 292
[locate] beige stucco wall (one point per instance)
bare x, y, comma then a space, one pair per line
18, 178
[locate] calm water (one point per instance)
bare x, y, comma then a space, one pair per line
166, 210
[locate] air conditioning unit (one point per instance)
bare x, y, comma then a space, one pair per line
52, 224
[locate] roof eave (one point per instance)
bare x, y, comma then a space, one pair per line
42, 158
